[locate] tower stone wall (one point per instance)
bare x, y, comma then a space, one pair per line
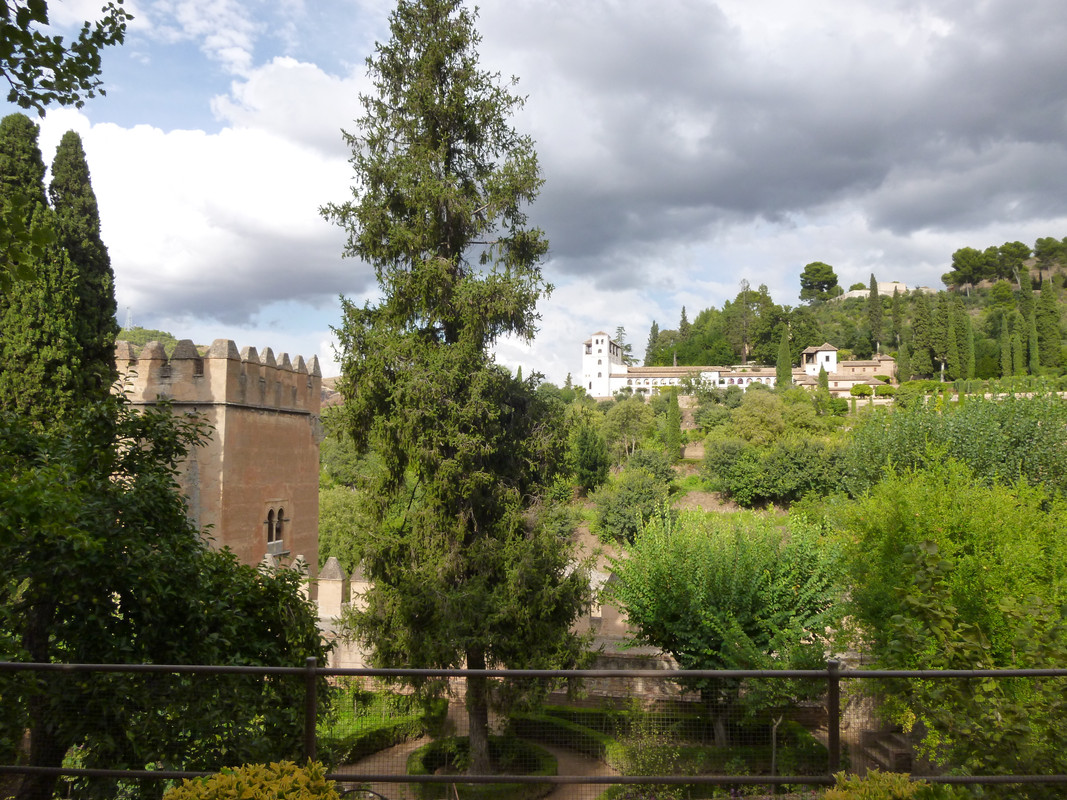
254, 484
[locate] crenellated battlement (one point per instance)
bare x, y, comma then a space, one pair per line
221, 376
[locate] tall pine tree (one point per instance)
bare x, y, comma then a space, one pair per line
465, 569
77, 223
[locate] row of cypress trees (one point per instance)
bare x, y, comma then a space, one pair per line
58, 327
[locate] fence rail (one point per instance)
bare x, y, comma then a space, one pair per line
628, 727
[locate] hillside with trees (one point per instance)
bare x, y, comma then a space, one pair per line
1000, 315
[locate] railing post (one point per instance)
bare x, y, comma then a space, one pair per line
833, 715
311, 707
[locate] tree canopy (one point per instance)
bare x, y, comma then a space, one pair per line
42, 68
719, 593
818, 281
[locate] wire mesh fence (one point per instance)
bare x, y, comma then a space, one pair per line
132, 731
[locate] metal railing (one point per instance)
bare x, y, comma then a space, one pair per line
622, 715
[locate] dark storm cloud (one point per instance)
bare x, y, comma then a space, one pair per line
656, 124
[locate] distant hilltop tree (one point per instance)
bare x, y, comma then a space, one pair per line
142, 336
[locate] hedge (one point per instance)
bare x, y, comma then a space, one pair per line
504, 751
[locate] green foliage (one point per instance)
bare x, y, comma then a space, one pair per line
875, 313
142, 336
949, 573
512, 755
876, 785
861, 390
93, 505
77, 225
655, 462
729, 594
40, 357
1001, 438
650, 748
782, 473
626, 425
259, 782
817, 282
42, 68
361, 722
589, 454
473, 570
624, 505
673, 428
1002, 542
784, 366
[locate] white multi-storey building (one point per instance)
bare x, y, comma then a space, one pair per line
604, 372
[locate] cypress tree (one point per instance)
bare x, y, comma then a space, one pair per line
674, 427
77, 223
1018, 346
964, 338
784, 369
952, 352
904, 369
897, 312
1033, 358
874, 314
1005, 350
941, 322
653, 335
922, 363
971, 361
1026, 294
822, 393
40, 355
1050, 339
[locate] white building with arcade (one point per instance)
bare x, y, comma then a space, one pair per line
605, 372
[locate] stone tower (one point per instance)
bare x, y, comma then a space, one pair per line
254, 485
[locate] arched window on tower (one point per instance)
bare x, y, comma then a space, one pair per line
276, 523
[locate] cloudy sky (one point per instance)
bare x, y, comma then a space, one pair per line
686, 145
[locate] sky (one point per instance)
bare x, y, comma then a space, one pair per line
686, 146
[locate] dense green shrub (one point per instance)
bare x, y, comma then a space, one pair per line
782, 473
589, 458
625, 504
949, 573
259, 782
655, 462
877, 785
838, 406
508, 754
